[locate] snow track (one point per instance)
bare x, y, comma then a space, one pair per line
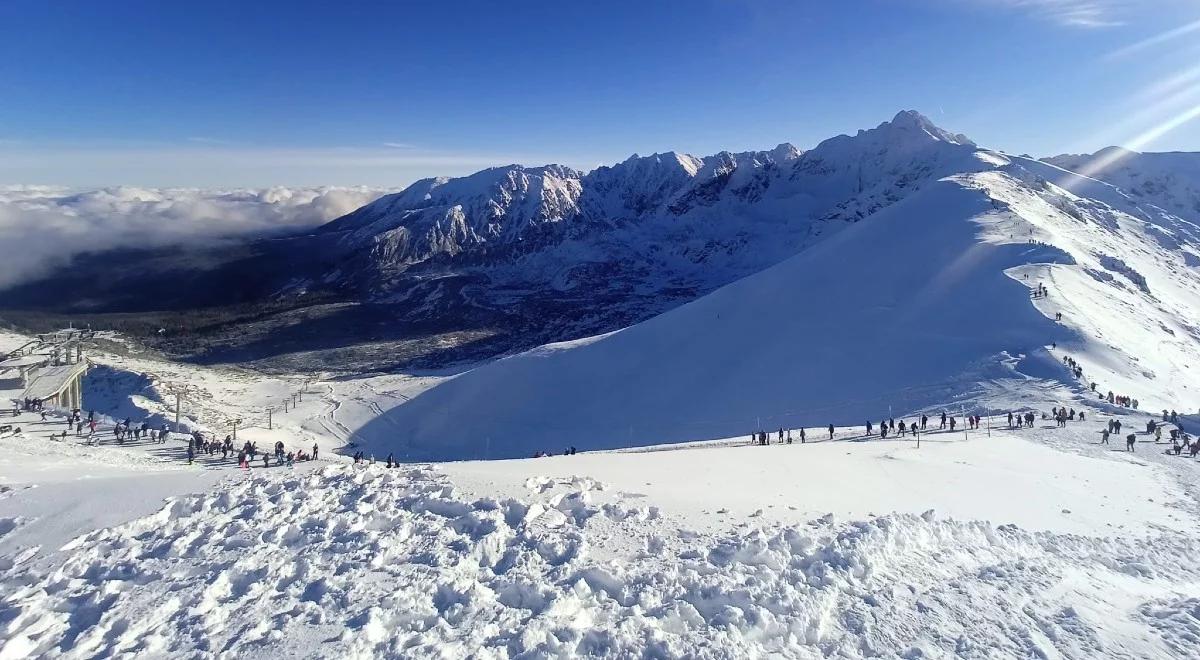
358, 562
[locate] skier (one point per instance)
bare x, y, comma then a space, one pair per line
1104, 436
952, 423
314, 454
943, 420
801, 436
389, 461
1129, 440
1010, 419
924, 421
902, 428
868, 428
191, 454
831, 431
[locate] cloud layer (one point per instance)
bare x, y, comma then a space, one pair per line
42, 228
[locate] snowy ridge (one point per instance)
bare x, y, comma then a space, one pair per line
396, 563
671, 219
1170, 181
945, 274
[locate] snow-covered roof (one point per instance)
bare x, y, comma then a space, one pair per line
51, 381
24, 361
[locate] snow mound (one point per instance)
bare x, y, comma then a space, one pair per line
392, 563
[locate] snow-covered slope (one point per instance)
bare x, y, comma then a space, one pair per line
897, 314
1031, 542
1170, 180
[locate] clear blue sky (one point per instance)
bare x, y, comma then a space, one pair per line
256, 93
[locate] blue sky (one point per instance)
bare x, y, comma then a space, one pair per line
240, 93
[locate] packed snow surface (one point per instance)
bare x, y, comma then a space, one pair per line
403, 562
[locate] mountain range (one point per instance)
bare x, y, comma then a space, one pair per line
460, 269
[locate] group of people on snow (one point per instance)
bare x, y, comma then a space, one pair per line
1062, 415
1122, 400
1115, 399
1018, 420
569, 451
248, 454
887, 428
1076, 370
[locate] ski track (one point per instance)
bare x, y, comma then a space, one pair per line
359, 562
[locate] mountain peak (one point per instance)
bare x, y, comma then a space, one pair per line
913, 121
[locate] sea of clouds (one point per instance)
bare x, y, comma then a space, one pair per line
43, 228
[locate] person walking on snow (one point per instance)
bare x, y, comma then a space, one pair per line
943, 420
1129, 440
1104, 436
831, 431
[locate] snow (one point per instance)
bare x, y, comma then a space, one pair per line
356, 561
1010, 543
944, 275
965, 479
670, 534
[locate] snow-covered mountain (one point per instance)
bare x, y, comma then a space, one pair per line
928, 301
463, 269
536, 254
1170, 181
714, 205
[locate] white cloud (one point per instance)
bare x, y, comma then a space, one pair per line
44, 227
1087, 14
399, 145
